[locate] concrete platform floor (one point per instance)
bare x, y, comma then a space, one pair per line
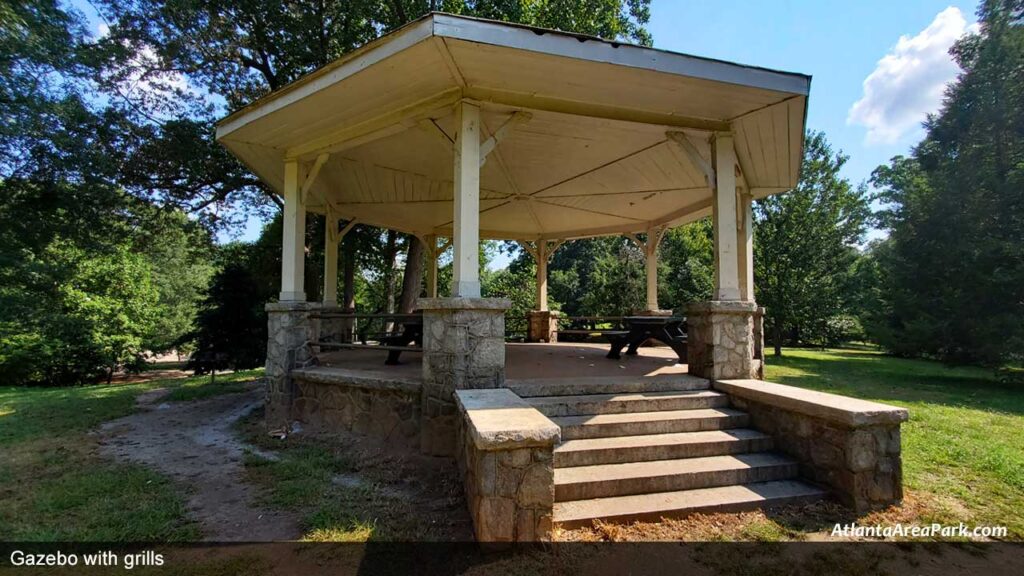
525, 361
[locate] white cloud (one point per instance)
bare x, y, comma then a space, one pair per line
908, 82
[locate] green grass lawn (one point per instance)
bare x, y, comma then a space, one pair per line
963, 456
963, 448
55, 486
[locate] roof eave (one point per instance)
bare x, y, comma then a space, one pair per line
520, 37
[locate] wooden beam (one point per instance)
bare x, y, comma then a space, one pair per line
430, 127
293, 243
449, 61
312, 174
387, 124
510, 124
575, 108
466, 221
690, 151
725, 214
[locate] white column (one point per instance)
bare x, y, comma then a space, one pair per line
651, 266
745, 240
293, 246
725, 215
542, 275
330, 259
466, 238
430, 242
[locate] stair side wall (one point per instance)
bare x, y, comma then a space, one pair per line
861, 464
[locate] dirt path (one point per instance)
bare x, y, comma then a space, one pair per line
194, 443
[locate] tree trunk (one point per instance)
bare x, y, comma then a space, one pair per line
412, 279
390, 251
348, 289
777, 337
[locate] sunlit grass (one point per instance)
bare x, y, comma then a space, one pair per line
55, 487
965, 437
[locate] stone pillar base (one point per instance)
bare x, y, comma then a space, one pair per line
337, 329
542, 325
463, 348
289, 328
721, 340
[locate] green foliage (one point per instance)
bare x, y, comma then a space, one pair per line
92, 322
180, 255
953, 267
599, 276
804, 249
686, 271
232, 323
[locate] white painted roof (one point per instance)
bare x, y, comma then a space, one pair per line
588, 153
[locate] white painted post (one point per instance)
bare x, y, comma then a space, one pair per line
745, 240
725, 215
466, 237
542, 275
293, 247
330, 259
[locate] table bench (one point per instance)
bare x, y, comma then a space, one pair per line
665, 329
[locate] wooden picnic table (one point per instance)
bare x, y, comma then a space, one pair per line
666, 329
412, 331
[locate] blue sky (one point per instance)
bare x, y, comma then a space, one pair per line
878, 66
840, 44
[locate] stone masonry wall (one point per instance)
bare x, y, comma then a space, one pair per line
510, 493
542, 326
463, 348
721, 340
861, 464
505, 449
289, 328
387, 412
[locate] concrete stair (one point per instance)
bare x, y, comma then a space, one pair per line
663, 422
587, 404
622, 449
653, 507
645, 449
533, 388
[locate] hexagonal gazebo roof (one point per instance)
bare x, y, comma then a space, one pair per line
582, 136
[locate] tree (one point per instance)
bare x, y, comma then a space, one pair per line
238, 51
804, 247
232, 323
686, 271
953, 268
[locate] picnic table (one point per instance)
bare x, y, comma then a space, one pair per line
666, 329
412, 331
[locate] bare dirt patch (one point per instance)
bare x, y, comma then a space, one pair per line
350, 487
195, 444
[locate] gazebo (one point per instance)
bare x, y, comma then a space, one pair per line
455, 130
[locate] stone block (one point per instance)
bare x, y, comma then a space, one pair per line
495, 520
860, 451
525, 526
537, 488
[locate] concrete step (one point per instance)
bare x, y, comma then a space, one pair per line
637, 423
620, 403
654, 507
604, 480
528, 388
645, 448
